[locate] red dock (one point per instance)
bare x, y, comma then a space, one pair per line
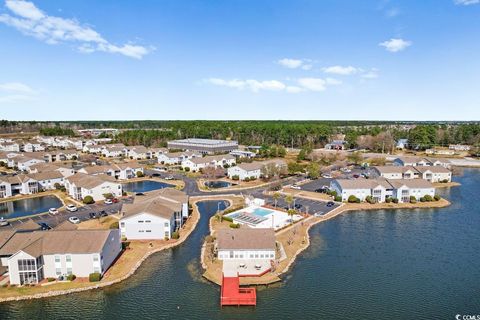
233, 295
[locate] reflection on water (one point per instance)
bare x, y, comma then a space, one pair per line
26, 207
404, 264
145, 186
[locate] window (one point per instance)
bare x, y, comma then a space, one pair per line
68, 258
26, 265
58, 271
141, 231
95, 258
140, 221
148, 230
167, 235
122, 224
69, 270
148, 221
166, 224
96, 269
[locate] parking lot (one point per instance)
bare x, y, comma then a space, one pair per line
313, 207
83, 213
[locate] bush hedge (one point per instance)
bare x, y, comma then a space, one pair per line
353, 199
71, 277
395, 200
234, 225
229, 219
175, 235
437, 197
235, 177
88, 200
114, 225
95, 277
338, 198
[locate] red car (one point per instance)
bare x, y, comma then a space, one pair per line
114, 200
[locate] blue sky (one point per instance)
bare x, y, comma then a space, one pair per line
240, 59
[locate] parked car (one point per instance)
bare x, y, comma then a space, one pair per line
327, 176
169, 178
3, 222
160, 169
345, 170
330, 204
44, 226
356, 176
71, 208
318, 214
74, 220
103, 213
114, 200
92, 215
296, 187
139, 194
108, 201
53, 210
298, 206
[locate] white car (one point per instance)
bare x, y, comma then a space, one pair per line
74, 220
3, 222
169, 178
326, 176
345, 170
53, 210
160, 169
108, 201
71, 208
294, 186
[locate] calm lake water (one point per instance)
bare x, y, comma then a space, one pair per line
217, 184
144, 186
420, 264
26, 207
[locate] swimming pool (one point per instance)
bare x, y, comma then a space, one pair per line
262, 212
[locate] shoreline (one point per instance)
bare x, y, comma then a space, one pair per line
131, 272
312, 221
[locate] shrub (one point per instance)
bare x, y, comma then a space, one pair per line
353, 199
291, 211
229, 219
187, 169
114, 225
71, 277
395, 200
108, 195
94, 277
235, 177
369, 199
332, 193
175, 235
437, 197
88, 200
4, 285
338, 198
234, 225
125, 244
140, 174
388, 199
209, 239
428, 198
226, 166
422, 199
57, 186
413, 199
444, 181
246, 179
50, 279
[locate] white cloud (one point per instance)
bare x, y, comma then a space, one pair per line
290, 63
12, 87
253, 85
304, 64
371, 74
392, 12
12, 92
293, 85
30, 20
395, 45
340, 70
313, 84
466, 2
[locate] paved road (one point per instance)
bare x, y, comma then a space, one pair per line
191, 188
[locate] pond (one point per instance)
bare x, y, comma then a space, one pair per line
27, 207
145, 186
388, 264
217, 184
